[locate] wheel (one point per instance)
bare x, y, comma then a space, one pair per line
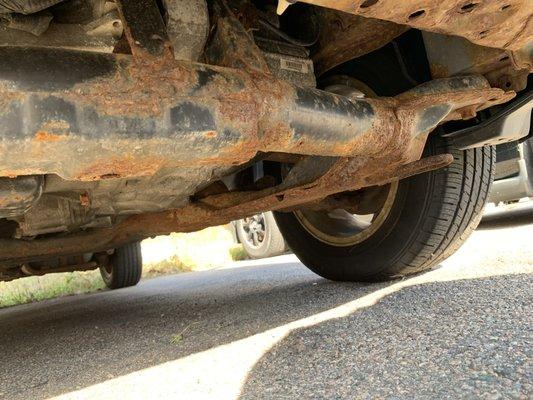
409, 226
260, 236
124, 268
424, 219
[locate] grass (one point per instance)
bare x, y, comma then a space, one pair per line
37, 288
237, 253
178, 337
175, 253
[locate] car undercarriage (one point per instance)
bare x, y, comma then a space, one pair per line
122, 120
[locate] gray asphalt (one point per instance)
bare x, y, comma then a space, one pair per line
273, 330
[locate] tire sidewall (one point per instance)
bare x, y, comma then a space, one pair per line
266, 249
384, 248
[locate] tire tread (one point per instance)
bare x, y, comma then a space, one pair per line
126, 267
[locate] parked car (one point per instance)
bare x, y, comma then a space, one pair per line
367, 127
260, 236
513, 178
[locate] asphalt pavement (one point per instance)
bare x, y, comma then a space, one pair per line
271, 329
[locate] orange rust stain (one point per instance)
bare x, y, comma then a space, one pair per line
120, 167
210, 134
43, 136
84, 200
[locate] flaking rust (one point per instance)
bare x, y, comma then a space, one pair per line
343, 175
43, 136
492, 23
139, 117
142, 115
344, 37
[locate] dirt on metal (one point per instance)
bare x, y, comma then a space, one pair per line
344, 37
255, 105
492, 23
344, 174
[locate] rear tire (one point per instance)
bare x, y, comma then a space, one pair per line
431, 216
124, 268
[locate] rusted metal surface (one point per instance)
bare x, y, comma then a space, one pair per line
17, 195
452, 55
145, 29
231, 45
57, 264
28, 270
135, 118
303, 185
492, 23
187, 26
25, 7
344, 37
114, 118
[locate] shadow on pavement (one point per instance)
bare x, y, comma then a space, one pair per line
456, 339
59, 346
507, 218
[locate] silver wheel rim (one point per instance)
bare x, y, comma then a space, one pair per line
254, 230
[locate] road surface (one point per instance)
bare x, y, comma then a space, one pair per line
273, 330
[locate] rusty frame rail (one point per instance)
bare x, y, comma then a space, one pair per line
506, 25
310, 180
129, 119
130, 116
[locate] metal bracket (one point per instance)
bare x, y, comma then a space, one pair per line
145, 29
231, 45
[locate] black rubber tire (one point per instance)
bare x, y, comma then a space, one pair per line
273, 244
125, 267
432, 215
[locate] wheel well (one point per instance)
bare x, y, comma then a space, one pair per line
392, 69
